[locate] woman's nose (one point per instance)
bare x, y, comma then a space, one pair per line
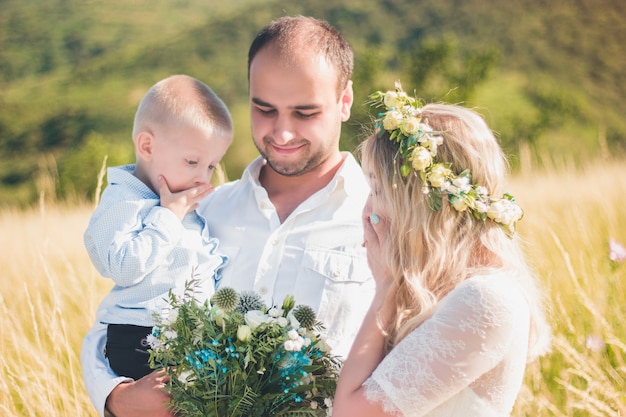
367, 208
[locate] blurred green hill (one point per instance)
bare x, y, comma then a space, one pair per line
550, 77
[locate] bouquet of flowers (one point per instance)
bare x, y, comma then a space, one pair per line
236, 357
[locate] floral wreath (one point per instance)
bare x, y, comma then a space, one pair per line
417, 147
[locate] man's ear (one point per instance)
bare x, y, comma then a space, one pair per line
347, 97
144, 143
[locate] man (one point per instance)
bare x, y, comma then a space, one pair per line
292, 224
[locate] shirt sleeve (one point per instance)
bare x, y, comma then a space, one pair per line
467, 335
98, 377
129, 240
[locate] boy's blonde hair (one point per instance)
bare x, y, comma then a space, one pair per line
181, 100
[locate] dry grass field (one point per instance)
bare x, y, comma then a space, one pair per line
50, 292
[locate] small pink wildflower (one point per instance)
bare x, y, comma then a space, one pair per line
595, 343
617, 252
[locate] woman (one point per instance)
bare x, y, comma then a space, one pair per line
456, 315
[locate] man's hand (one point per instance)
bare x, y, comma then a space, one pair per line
182, 202
142, 398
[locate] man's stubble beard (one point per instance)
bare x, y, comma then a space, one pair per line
301, 166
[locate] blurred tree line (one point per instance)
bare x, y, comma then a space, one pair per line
71, 74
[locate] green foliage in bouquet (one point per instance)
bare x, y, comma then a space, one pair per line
224, 359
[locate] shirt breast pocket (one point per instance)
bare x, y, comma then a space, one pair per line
343, 284
337, 266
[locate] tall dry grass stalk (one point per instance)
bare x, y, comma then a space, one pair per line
51, 292
47, 303
569, 218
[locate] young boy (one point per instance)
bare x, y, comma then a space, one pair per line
146, 234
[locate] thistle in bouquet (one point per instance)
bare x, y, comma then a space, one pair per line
234, 356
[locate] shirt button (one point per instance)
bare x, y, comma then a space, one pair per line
336, 273
274, 242
263, 290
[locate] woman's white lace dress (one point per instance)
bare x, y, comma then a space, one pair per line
467, 360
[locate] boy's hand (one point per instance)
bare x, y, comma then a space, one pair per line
182, 202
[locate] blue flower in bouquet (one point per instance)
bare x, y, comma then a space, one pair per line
234, 356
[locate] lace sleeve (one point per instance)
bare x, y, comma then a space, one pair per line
468, 334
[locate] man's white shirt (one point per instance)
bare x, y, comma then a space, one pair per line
315, 254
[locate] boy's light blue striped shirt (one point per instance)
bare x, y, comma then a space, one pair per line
146, 250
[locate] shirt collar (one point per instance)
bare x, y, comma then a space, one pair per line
124, 175
349, 173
